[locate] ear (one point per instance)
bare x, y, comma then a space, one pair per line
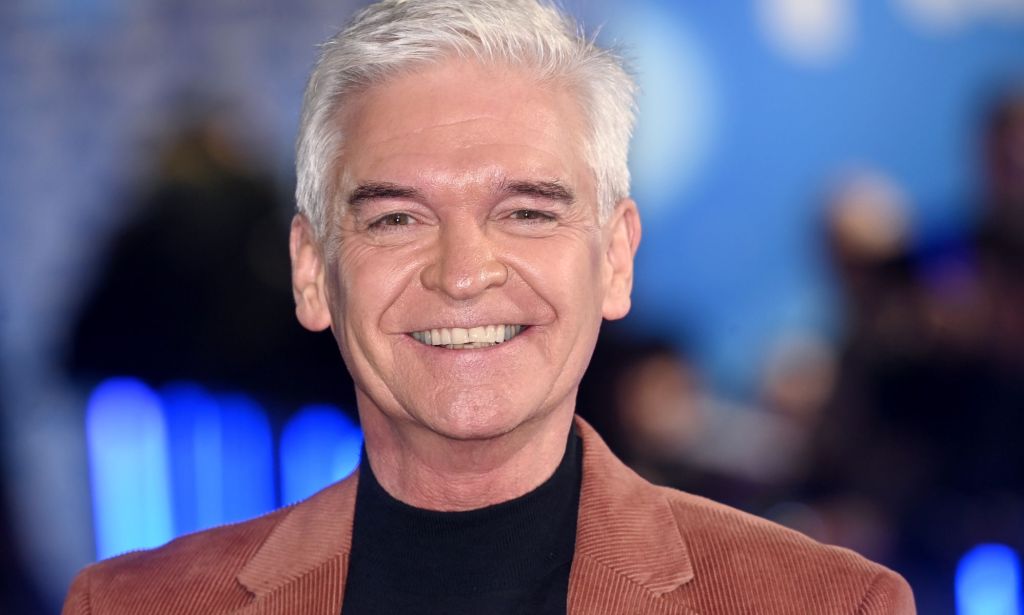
623, 237
308, 272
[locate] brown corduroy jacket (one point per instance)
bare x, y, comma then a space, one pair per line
639, 549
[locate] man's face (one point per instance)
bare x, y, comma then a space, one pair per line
466, 210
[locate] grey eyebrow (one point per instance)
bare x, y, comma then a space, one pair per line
551, 190
381, 190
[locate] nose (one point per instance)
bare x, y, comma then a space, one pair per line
464, 265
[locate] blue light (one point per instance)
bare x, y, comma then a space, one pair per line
988, 581
246, 449
222, 457
127, 446
190, 409
319, 446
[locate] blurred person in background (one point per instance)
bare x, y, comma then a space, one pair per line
918, 446
868, 234
463, 243
196, 270
644, 398
1001, 232
652, 403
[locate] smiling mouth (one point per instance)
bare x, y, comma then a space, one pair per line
458, 338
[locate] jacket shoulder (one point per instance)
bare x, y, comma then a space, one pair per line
762, 563
198, 570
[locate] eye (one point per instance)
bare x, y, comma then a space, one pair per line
394, 219
531, 215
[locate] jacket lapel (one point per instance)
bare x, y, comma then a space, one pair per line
629, 552
301, 567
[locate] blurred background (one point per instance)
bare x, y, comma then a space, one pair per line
828, 327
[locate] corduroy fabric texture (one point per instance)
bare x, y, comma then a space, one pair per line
640, 549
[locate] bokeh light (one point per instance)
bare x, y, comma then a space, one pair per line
988, 581
812, 32
675, 132
127, 444
319, 446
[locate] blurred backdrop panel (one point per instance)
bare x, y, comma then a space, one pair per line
828, 325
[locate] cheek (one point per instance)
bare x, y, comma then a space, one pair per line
372, 285
335, 294
566, 273
350, 286
579, 271
369, 274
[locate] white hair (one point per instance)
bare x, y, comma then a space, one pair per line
392, 36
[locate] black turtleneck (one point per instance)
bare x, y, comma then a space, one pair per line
509, 558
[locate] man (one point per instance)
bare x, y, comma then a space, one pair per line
464, 227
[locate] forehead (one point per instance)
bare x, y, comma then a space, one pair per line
460, 118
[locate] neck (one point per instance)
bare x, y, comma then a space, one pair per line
428, 470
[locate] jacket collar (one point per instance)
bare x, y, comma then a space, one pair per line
627, 544
301, 566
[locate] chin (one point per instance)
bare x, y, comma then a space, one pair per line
477, 419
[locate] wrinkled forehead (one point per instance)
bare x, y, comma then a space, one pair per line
461, 118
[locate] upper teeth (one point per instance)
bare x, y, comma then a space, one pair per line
474, 337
